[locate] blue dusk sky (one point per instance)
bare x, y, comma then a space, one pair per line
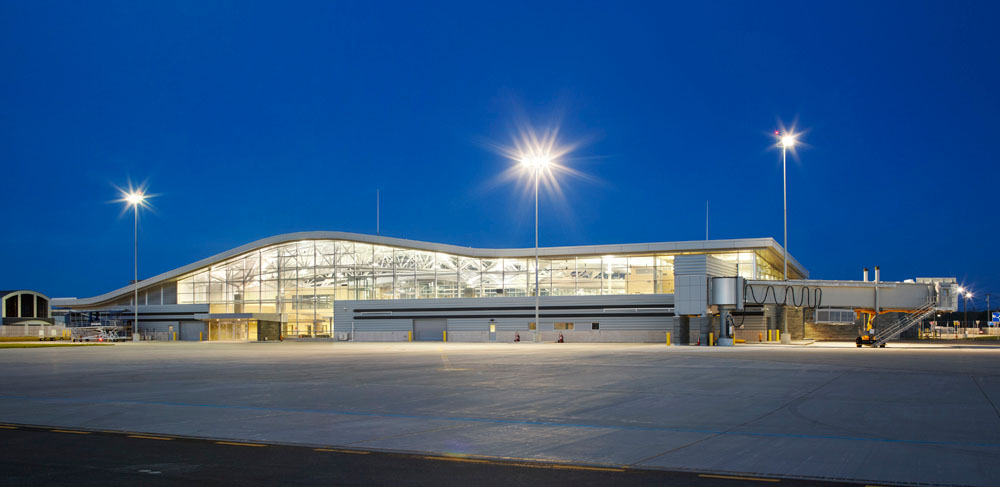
250, 119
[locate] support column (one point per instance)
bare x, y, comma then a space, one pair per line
724, 339
794, 322
682, 330
786, 338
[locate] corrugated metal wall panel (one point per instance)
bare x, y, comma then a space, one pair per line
689, 264
613, 313
157, 326
344, 326
716, 267
703, 265
506, 302
470, 324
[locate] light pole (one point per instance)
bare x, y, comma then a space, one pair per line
787, 141
134, 199
965, 317
536, 164
961, 295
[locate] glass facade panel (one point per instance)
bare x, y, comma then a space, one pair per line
382, 283
615, 275
563, 273
492, 284
470, 277
544, 276
664, 274
588, 276
302, 280
641, 272
765, 270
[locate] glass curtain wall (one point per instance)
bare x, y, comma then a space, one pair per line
302, 280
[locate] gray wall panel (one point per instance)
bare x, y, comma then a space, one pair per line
627, 313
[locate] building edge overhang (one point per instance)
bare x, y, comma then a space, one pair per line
608, 249
8, 292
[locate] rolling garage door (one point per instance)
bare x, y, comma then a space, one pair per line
191, 330
429, 329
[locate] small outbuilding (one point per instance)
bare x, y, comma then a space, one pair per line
27, 314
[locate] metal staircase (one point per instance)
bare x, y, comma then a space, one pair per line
892, 331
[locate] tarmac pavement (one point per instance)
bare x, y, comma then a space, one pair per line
909, 413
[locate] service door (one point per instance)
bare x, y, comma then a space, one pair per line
429, 329
191, 330
493, 332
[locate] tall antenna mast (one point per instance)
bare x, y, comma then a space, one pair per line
377, 209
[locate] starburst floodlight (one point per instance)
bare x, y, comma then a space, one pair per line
536, 162
135, 198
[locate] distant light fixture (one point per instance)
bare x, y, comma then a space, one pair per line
788, 141
135, 198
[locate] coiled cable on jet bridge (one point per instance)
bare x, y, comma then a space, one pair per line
805, 297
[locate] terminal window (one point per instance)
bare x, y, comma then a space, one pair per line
595, 326
562, 326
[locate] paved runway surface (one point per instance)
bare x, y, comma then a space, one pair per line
904, 414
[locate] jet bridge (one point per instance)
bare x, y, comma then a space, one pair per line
916, 300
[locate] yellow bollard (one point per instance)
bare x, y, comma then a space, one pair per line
175, 336
445, 335
777, 335
668, 338
201, 336
409, 338
768, 335
711, 341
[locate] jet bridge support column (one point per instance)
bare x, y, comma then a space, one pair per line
726, 338
727, 295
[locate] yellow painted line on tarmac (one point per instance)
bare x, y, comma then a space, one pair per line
523, 462
235, 443
530, 463
444, 358
354, 452
736, 477
71, 432
3, 426
147, 437
446, 362
595, 469
456, 459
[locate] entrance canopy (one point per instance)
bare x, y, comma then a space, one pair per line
242, 326
239, 316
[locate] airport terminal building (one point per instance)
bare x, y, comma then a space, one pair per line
336, 285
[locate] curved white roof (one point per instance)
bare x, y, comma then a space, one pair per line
613, 249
